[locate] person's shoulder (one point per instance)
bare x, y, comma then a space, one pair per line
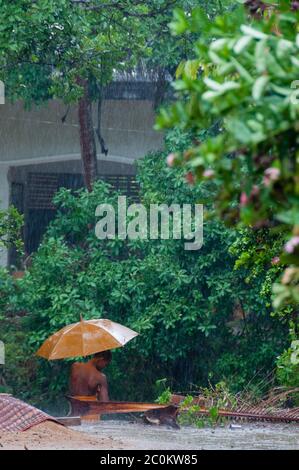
77, 365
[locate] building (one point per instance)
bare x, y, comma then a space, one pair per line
40, 151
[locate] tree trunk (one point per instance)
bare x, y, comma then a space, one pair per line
87, 137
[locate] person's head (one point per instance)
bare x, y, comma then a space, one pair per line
102, 359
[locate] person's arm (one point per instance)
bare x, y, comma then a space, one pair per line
102, 388
98, 386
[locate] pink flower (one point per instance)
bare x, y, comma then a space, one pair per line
291, 244
243, 199
208, 173
271, 175
275, 260
171, 159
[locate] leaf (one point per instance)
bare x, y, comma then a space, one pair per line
274, 67
259, 87
180, 69
215, 58
290, 217
281, 90
191, 69
240, 131
179, 23
210, 95
254, 33
284, 48
214, 413
218, 44
242, 44
260, 55
230, 85
295, 61
200, 20
242, 71
218, 89
212, 84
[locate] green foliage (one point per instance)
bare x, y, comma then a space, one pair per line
6, 291
189, 413
243, 79
182, 303
11, 223
10, 236
288, 366
167, 51
213, 399
186, 306
47, 45
165, 396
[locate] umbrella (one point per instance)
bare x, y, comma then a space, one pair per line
85, 338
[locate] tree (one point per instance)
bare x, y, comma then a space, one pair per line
69, 49
243, 81
167, 51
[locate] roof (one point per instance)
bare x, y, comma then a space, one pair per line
16, 415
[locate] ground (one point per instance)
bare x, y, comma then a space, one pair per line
121, 435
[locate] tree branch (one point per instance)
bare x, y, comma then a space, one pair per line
104, 149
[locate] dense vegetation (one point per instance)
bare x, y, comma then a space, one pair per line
203, 316
242, 79
199, 320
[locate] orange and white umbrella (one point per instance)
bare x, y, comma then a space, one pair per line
85, 338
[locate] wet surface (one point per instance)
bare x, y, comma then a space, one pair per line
239, 436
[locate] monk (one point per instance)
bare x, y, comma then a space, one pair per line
88, 379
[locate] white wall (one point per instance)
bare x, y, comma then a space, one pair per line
127, 127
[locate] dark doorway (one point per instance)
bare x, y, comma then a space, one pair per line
35, 201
